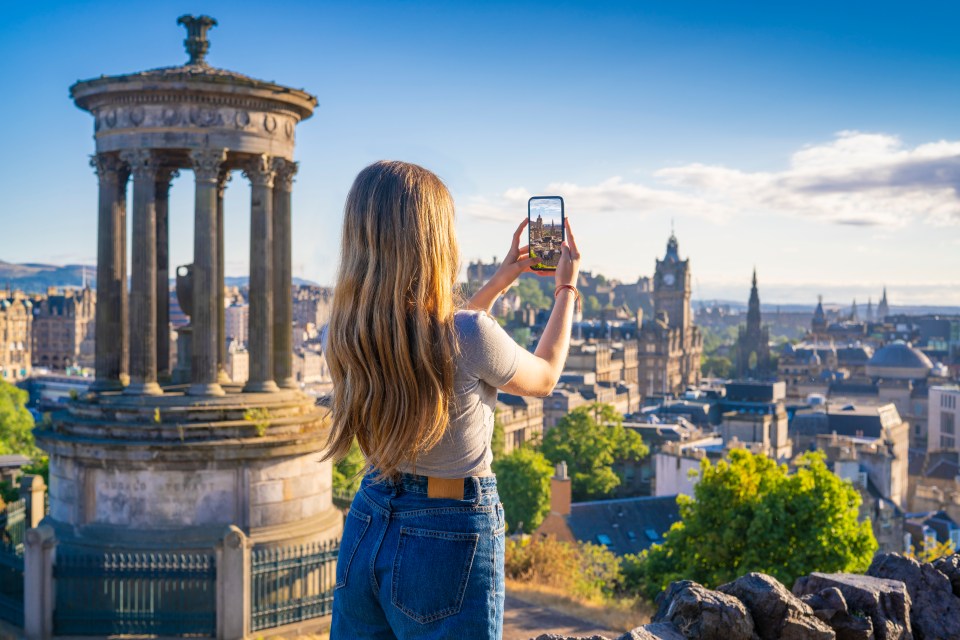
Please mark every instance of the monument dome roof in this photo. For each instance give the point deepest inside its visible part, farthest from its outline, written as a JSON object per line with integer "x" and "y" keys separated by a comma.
{"x": 899, "y": 359}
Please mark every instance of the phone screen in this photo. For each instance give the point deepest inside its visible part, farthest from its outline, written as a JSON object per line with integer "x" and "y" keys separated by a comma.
{"x": 546, "y": 231}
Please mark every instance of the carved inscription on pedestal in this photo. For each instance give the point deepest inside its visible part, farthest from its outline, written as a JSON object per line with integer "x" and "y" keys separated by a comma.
{"x": 148, "y": 499}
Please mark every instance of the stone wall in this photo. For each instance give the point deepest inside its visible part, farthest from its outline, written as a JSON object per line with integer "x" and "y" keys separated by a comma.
{"x": 898, "y": 599}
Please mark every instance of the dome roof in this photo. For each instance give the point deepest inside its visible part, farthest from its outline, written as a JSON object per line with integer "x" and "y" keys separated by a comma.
{"x": 899, "y": 360}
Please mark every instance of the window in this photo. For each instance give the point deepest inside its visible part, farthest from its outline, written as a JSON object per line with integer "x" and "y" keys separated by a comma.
{"x": 651, "y": 534}
{"x": 947, "y": 422}
{"x": 604, "y": 539}
{"x": 947, "y": 442}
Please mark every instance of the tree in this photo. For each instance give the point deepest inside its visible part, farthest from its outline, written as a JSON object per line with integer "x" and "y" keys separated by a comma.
{"x": 592, "y": 307}
{"x": 719, "y": 366}
{"x": 521, "y": 336}
{"x": 749, "y": 514}
{"x": 499, "y": 441}
{"x": 16, "y": 423}
{"x": 590, "y": 439}
{"x": 347, "y": 473}
{"x": 523, "y": 482}
{"x": 530, "y": 292}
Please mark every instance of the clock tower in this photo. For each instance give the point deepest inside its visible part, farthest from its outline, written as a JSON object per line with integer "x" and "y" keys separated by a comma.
{"x": 669, "y": 345}
{"x": 671, "y": 287}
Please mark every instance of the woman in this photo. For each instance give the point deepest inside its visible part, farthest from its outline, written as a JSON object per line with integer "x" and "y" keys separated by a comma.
{"x": 415, "y": 382}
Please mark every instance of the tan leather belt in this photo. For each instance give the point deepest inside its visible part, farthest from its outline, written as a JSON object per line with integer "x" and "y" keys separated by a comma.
{"x": 445, "y": 488}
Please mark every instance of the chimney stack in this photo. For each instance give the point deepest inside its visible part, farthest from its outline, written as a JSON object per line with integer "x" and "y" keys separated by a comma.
{"x": 560, "y": 492}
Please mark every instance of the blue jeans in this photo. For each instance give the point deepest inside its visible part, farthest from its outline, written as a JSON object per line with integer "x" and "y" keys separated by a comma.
{"x": 413, "y": 567}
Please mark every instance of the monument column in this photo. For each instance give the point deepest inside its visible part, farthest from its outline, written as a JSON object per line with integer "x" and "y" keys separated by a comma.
{"x": 261, "y": 174}
{"x": 111, "y": 261}
{"x": 206, "y": 274}
{"x": 144, "y": 165}
{"x": 164, "y": 176}
{"x": 283, "y": 274}
{"x": 221, "y": 312}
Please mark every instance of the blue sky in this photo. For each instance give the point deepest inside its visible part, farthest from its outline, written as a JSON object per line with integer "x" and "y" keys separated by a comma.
{"x": 818, "y": 142}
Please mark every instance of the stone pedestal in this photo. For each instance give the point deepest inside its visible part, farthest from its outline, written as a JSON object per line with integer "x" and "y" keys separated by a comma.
{"x": 190, "y": 465}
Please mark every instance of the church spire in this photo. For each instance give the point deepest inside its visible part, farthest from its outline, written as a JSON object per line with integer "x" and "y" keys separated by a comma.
{"x": 753, "y": 311}
{"x": 854, "y": 317}
{"x": 883, "y": 309}
{"x": 819, "y": 324}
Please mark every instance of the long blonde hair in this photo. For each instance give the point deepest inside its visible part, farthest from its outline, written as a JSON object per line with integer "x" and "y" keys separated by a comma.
{"x": 391, "y": 341}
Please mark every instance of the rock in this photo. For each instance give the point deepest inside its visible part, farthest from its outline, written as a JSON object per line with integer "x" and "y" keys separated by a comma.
{"x": 950, "y": 567}
{"x": 702, "y": 614}
{"x": 553, "y": 636}
{"x": 654, "y": 631}
{"x": 830, "y": 606}
{"x": 777, "y": 614}
{"x": 935, "y": 611}
{"x": 885, "y": 602}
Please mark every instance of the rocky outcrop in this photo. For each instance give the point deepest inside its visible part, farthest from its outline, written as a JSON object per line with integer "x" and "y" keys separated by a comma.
{"x": 950, "y": 567}
{"x": 935, "y": 612}
{"x": 655, "y": 631}
{"x": 777, "y": 614}
{"x": 898, "y": 599}
{"x": 830, "y": 606}
{"x": 885, "y": 602}
{"x": 704, "y": 614}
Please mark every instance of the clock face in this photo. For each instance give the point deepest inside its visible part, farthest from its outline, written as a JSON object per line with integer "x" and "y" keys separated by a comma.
{"x": 668, "y": 279}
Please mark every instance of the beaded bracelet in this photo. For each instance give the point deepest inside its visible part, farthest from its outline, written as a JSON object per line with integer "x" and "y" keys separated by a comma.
{"x": 561, "y": 287}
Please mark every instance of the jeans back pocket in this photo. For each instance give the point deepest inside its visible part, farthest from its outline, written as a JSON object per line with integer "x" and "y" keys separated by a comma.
{"x": 353, "y": 529}
{"x": 430, "y": 572}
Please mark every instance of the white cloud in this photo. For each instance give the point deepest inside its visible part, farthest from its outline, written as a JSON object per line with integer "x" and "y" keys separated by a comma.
{"x": 613, "y": 195}
{"x": 868, "y": 179}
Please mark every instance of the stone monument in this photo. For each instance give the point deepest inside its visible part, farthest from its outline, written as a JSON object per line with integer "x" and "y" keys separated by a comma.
{"x": 143, "y": 463}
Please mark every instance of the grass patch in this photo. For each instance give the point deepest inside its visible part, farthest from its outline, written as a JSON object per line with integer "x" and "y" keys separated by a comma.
{"x": 616, "y": 614}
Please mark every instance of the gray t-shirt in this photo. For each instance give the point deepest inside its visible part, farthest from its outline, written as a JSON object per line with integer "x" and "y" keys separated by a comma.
{"x": 487, "y": 360}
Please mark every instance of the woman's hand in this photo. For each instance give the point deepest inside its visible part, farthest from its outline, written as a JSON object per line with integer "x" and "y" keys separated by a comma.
{"x": 516, "y": 261}
{"x": 568, "y": 268}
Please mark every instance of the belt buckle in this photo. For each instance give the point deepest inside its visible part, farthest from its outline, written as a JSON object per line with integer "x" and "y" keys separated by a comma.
{"x": 445, "y": 488}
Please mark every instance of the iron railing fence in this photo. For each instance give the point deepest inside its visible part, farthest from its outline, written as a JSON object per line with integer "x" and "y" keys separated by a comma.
{"x": 291, "y": 584}
{"x": 343, "y": 498}
{"x": 166, "y": 594}
{"x": 13, "y": 528}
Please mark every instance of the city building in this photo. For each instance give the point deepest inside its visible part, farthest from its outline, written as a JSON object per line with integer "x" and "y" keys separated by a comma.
{"x": 238, "y": 362}
{"x": 64, "y": 329}
{"x": 237, "y": 321}
{"x": 522, "y": 420}
{"x": 942, "y": 410}
{"x": 622, "y": 525}
{"x": 669, "y": 345}
{"x": 677, "y": 464}
{"x": 16, "y": 342}
{"x": 875, "y": 423}
{"x": 311, "y": 305}
{"x": 879, "y": 475}
{"x": 752, "y": 357}
{"x": 310, "y": 367}
{"x": 754, "y": 414}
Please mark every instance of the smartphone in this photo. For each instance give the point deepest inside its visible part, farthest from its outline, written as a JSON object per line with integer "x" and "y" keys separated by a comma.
{"x": 546, "y": 230}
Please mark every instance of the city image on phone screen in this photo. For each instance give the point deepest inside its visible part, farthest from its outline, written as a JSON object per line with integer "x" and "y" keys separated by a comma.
{"x": 546, "y": 231}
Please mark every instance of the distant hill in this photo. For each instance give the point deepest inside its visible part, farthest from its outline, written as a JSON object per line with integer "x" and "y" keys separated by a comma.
{"x": 243, "y": 281}
{"x": 37, "y": 278}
